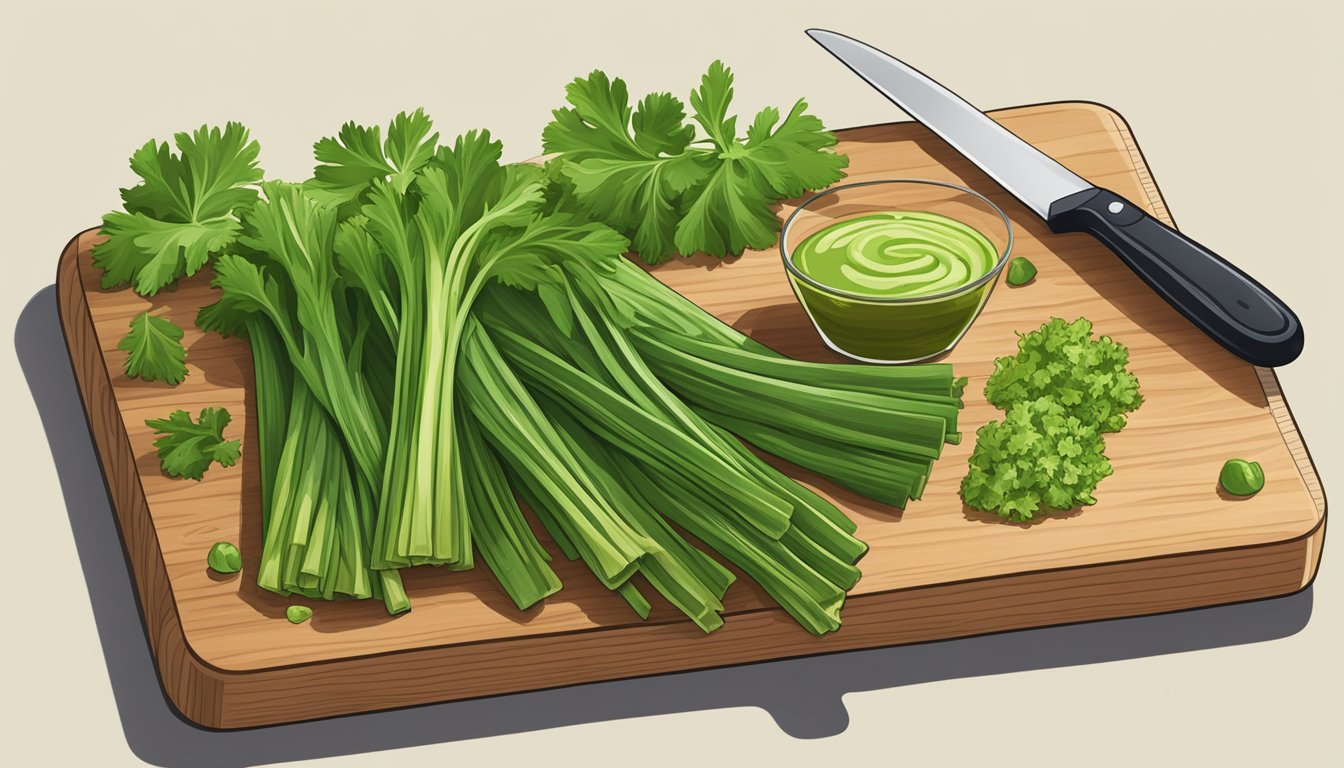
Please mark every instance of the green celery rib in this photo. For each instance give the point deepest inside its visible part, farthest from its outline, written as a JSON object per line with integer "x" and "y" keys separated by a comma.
{"x": 630, "y": 593}
{"x": 662, "y": 313}
{"x": 436, "y": 254}
{"x": 688, "y": 578}
{"x": 853, "y": 418}
{"x": 401, "y": 440}
{"x": 622, "y": 423}
{"x": 883, "y": 477}
{"x": 272, "y": 376}
{"x": 655, "y": 304}
{"x": 930, "y": 382}
{"x": 821, "y": 528}
{"x": 515, "y": 425}
{"x": 315, "y": 542}
{"x": 815, "y": 517}
{"x": 534, "y": 502}
{"x": 501, "y": 533}
{"x": 667, "y": 315}
{"x": 811, "y": 600}
{"x": 292, "y": 557}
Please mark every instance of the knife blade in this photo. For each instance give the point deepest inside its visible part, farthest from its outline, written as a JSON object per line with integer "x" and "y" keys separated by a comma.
{"x": 1231, "y": 307}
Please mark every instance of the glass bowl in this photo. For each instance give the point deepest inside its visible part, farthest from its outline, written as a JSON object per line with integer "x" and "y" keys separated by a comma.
{"x": 895, "y": 329}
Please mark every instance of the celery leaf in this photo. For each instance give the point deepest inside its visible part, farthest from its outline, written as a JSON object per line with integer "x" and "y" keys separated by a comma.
{"x": 154, "y": 350}
{"x": 187, "y": 448}
{"x": 184, "y": 210}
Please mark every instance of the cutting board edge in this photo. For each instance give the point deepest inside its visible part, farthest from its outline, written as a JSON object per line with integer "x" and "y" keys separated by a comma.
{"x": 187, "y": 680}
{"x": 1268, "y": 378}
{"x": 200, "y": 691}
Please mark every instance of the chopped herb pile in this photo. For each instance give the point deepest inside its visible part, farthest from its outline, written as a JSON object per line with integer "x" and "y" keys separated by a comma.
{"x": 1061, "y": 392}
{"x": 1063, "y": 362}
{"x": 1037, "y": 456}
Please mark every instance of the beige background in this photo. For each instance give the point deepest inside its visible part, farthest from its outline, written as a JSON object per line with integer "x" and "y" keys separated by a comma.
{"x": 1237, "y": 106}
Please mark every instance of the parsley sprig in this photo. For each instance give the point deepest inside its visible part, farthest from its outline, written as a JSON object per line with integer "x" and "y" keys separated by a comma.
{"x": 184, "y": 210}
{"x": 154, "y": 350}
{"x": 643, "y": 173}
{"x": 187, "y": 448}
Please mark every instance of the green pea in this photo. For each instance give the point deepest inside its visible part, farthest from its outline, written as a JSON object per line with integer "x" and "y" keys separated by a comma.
{"x": 297, "y": 614}
{"x": 224, "y": 557}
{"x": 1020, "y": 271}
{"x": 1242, "y": 478}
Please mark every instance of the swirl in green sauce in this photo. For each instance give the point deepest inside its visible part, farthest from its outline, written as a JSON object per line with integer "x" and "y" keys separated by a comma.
{"x": 896, "y": 254}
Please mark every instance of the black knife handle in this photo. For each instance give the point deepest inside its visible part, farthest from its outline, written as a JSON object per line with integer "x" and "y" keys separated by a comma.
{"x": 1221, "y": 300}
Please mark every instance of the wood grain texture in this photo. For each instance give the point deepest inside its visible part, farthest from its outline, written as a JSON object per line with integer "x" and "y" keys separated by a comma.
{"x": 1161, "y": 537}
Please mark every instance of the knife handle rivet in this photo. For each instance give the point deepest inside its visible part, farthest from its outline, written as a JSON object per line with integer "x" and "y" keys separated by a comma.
{"x": 1116, "y": 207}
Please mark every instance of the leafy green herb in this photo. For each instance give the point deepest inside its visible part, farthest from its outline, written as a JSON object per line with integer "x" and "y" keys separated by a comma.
{"x": 350, "y": 162}
{"x": 1021, "y": 271}
{"x": 185, "y": 208}
{"x": 224, "y": 557}
{"x": 640, "y": 172}
{"x": 154, "y": 350}
{"x": 1062, "y": 361}
{"x": 187, "y": 448}
{"x": 1039, "y": 455}
{"x": 626, "y": 170}
{"x": 1242, "y": 478}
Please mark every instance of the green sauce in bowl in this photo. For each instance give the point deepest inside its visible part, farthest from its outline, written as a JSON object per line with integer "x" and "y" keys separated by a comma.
{"x": 895, "y": 284}
{"x": 896, "y": 254}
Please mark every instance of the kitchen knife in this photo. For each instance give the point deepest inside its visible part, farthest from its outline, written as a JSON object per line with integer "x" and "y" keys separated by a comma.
{"x": 1221, "y": 300}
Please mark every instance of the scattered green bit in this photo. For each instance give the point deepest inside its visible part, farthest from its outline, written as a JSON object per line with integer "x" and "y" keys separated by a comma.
{"x": 1242, "y": 478}
{"x": 155, "y": 351}
{"x": 186, "y": 448}
{"x": 184, "y": 210}
{"x": 1020, "y": 271}
{"x": 1038, "y": 455}
{"x": 297, "y": 614}
{"x": 224, "y": 557}
{"x": 642, "y": 174}
{"x": 1062, "y": 361}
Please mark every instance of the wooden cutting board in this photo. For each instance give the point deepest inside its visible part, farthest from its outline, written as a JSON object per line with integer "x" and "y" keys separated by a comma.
{"x": 1161, "y": 537}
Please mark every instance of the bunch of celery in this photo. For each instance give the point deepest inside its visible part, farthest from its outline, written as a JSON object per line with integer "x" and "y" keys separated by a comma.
{"x": 438, "y": 336}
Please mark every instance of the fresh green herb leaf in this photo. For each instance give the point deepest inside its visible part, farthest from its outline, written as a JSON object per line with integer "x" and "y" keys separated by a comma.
{"x": 731, "y": 211}
{"x": 1062, "y": 361}
{"x": 626, "y": 170}
{"x": 187, "y": 448}
{"x": 154, "y": 350}
{"x": 640, "y": 172}
{"x": 350, "y": 162}
{"x": 1039, "y": 455}
{"x": 184, "y": 210}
